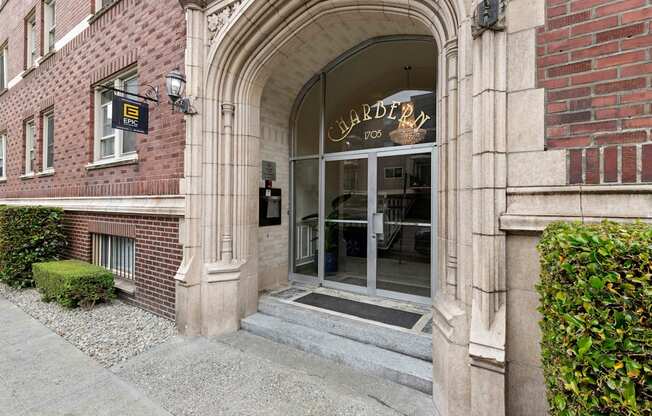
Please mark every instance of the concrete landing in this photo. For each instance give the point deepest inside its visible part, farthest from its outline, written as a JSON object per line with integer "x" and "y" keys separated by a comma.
{"x": 42, "y": 374}
{"x": 408, "y": 342}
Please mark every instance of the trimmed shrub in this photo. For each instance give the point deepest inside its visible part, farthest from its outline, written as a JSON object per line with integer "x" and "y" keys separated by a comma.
{"x": 73, "y": 283}
{"x": 28, "y": 235}
{"x": 596, "y": 299}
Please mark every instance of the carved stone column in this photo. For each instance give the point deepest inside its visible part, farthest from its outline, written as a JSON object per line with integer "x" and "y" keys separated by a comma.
{"x": 487, "y": 335}
{"x": 451, "y": 81}
{"x": 451, "y": 392}
{"x": 208, "y": 281}
{"x": 188, "y": 277}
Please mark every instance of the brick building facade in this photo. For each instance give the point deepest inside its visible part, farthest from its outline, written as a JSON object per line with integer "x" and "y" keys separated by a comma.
{"x": 542, "y": 115}
{"x": 95, "y": 42}
{"x": 593, "y": 59}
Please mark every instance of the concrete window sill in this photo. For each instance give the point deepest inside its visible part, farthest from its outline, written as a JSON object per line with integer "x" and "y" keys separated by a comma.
{"x": 28, "y": 71}
{"x": 47, "y": 56}
{"x": 126, "y": 286}
{"x": 109, "y": 163}
{"x": 45, "y": 173}
{"x": 27, "y": 176}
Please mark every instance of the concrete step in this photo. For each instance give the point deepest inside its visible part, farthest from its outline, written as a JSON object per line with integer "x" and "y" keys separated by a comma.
{"x": 399, "y": 368}
{"x": 385, "y": 337}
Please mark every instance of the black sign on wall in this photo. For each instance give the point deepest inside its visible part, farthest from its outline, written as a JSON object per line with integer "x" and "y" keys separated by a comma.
{"x": 130, "y": 115}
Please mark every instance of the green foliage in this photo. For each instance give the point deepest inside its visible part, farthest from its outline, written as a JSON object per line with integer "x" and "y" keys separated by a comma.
{"x": 28, "y": 235}
{"x": 596, "y": 299}
{"x": 73, "y": 283}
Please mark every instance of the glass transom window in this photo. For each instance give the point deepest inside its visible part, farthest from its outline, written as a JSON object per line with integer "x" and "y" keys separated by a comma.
{"x": 382, "y": 96}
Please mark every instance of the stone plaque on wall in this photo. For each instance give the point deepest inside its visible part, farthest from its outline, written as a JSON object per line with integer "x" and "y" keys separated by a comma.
{"x": 269, "y": 170}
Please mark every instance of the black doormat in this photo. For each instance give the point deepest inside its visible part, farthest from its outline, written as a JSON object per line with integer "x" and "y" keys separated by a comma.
{"x": 376, "y": 313}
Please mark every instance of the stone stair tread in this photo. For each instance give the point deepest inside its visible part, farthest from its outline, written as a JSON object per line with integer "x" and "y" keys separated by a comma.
{"x": 400, "y": 368}
{"x": 383, "y": 336}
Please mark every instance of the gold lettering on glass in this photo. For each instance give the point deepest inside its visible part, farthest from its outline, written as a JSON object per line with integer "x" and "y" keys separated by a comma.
{"x": 393, "y": 108}
{"x": 366, "y": 112}
{"x": 409, "y": 130}
{"x": 380, "y": 105}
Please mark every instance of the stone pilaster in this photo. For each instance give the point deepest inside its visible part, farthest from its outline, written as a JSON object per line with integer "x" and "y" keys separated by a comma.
{"x": 487, "y": 334}
{"x": 188, "y": 277}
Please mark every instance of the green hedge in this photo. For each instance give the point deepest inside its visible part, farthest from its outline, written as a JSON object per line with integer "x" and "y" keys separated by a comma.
{"x": 596, "y": 302}
{"x": 73, "y": 283}
{"x": 28, "y": 235}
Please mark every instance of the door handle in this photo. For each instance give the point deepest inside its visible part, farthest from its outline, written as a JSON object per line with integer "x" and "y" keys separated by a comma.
{"x": 378, "y": 223}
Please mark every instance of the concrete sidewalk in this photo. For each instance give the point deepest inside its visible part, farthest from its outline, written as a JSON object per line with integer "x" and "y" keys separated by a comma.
{"x": 245, "y": 375}
{"x": 41, "y": 374}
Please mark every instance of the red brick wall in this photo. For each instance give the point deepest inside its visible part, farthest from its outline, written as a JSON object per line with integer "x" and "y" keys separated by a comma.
{"x": 12, "y": 30}
{"x": 158, "y": 255}
{"x": 595, "y": 61}
{"x": 146, "y": 34}
{"x": 70, "y": 13}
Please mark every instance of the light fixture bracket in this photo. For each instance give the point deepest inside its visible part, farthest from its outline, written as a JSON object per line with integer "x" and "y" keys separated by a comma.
{"x": 489, "y": 15}
{"x": 151, "y": 93}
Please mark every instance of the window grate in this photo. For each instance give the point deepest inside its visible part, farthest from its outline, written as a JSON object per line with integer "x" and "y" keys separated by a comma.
{"x": 115, "y": 253}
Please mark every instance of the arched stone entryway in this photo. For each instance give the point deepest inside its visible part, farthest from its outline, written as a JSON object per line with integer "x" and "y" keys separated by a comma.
{"x": 246, "y": 63}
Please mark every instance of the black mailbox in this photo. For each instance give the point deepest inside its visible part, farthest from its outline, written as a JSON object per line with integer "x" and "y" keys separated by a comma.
{"x": 269, "y": 207}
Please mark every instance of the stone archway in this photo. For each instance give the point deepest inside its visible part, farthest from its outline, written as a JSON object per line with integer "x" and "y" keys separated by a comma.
{"x": 237, "y": 53}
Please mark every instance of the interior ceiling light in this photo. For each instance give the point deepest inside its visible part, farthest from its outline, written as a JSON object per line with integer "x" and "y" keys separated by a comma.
{"x": 407, "y": 133}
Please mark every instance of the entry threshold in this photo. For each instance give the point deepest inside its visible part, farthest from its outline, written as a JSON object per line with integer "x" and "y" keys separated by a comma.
{"x": 362, "y": 310}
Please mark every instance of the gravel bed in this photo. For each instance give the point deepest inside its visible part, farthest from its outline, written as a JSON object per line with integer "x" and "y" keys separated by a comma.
{"x": 110, "y": 333}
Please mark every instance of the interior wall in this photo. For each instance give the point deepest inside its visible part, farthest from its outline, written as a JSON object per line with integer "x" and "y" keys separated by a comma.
{"x": 274, "y": 241}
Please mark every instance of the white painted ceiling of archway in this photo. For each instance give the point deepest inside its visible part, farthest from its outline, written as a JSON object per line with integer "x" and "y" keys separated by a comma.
{"x": 311, "y": 49}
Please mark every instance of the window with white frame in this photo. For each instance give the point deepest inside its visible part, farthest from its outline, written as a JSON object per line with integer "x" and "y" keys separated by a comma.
{"x": 48, "y": 142}
{"x": 115, "y": 253}
{"x": 3, "y": 152}
{"x": 30, "y": 46}
{"x": 30, "y": 147}
{"x": 3, "y": 66}
{"x": 49, "y": 25}
{"x": 112, "y": 143}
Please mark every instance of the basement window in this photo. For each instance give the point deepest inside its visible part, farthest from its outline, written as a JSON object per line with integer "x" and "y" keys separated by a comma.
{"x": 115, "y": 253}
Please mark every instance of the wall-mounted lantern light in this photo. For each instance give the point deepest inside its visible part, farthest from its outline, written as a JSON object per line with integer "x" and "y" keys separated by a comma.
{"x": 175, "y": 84}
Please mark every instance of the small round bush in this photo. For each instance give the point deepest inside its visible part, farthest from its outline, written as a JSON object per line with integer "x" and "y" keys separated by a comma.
{"x": 596, "y": 299}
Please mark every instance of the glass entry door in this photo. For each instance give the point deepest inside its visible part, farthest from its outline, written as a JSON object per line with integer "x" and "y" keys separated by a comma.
{"x": 403, "y": 226}
{"x": 346, "y": 223}
{"x": 377, "y": 228}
